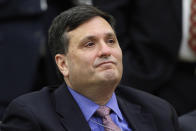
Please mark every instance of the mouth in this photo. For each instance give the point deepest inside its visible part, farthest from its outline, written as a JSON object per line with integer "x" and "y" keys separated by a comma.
{"x": 105, "y": 63}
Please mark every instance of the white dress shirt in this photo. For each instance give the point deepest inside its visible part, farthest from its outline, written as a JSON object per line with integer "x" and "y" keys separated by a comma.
{"x": 186, "y": 54}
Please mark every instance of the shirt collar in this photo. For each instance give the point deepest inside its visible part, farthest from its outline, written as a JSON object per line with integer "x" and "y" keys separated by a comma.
{"x": 112, "y": 104}
{"x": 88, "y": 107}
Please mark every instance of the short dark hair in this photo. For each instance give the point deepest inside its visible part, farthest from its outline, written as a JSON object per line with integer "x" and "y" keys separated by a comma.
{"x": 68, "y": 21}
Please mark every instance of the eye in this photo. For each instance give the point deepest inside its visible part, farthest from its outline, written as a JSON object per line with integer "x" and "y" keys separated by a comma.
{"x": 89, "y": 44}
{"x": 111, "y": 41}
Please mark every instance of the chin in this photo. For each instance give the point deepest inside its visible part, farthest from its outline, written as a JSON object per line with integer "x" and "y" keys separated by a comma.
{"x": 110, "y": 76}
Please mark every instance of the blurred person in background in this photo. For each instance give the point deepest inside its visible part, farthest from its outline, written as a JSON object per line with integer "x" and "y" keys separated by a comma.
{"x": 23, "y": 51}
{"x": 158, "y": 58}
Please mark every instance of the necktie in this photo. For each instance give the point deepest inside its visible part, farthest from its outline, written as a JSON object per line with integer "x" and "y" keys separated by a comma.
{"x": 192, "y": 30}
{"x": 104, "y": 113}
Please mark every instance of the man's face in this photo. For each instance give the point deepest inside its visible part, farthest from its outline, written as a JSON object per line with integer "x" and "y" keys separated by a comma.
{"x": 94, "y": 56}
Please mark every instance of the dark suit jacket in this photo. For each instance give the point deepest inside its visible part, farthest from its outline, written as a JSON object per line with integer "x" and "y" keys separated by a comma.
{"x": 54, "y": 109}
{"x": 187, "y": 121}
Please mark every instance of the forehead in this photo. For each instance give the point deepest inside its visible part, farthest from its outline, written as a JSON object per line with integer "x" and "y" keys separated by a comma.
{"x": 96, "y": 26}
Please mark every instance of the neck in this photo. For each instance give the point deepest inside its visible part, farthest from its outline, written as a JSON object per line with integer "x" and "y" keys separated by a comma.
{"x": 100, "y": 93}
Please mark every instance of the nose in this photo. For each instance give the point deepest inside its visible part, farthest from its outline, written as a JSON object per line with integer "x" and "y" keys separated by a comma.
{"x": 104, "y": 50}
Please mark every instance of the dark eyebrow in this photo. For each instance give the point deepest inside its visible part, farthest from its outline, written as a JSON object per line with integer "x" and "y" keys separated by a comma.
{"x": 92, "y": 37}
{"x": 111, "y": 34}
{"x": 88, "y": 38}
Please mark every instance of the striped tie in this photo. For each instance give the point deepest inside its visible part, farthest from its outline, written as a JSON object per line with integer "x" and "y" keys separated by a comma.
{"x": 104, "y": 113}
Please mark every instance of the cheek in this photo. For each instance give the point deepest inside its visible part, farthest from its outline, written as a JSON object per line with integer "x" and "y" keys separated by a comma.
{"x": 118, "y": 54}
{"x": 82, "y": 61}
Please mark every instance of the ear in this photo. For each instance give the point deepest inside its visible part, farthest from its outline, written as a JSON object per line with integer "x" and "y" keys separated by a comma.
{"x": 61, "y": 61}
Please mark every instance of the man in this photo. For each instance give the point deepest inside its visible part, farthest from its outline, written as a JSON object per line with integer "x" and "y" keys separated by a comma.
{"x": 154, "y": 38}
{"x": 87, "y": 53}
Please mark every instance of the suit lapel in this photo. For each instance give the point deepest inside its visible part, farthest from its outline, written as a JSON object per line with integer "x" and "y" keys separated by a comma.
{"x": 72, "y": 118}
{"x": 138, "y": 120}
{"x": 68, "y": 111}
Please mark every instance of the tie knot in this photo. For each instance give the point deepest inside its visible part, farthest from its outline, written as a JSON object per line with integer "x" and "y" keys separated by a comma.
{"x": 103, "y": 111}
